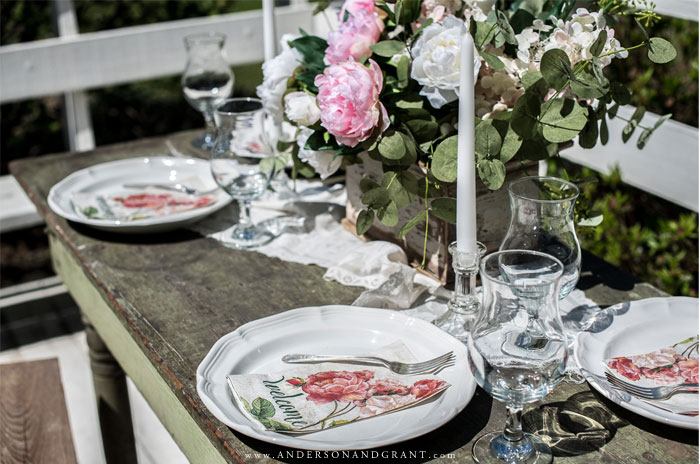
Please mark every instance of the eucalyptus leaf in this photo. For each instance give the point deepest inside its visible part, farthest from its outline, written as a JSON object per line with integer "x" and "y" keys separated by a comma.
{"x": 364, "y": 221}
{"x": 599, "y": 43}
{"x": 535, "y": 83}
{"x": 388, "y": 48}
{"x": 422, "y": 216}
{"x": 661, "y": 50}
{"x": 394, "y": 183}
{"x": 563, "y": 120}
{"x": 643, "y": 138}
{"x": 588, "y": 87}
{"x": 492, "y": 173}
{"x": 422, "y": 130}
{"x": 376, "y": 199}
{"x": 505, "y": 28}
{"x": 403, "y": 71}
{"x": 368, "y": 184}
{"x": 594, "y": 219}
{"x": 598, "y": 72}
{"x": 389, "y": 215}
{"x": 492, "y": 60}
{"x": 520, "y": 20}
{"x": 633, "y": 123}
{"x": 589, "y": 135}
{"x": 620, "y": 94}
{"x": 444, "y": 165}
{"x": 525, "y": 114}
{"x": 604, "y": 133}
{"x": 511, "y": 145}
{"x": 392, "y": 146}
{"x": 445, "y": 208}
{"x": 612, "y": 111}
{"x": 661, "y": 120}
{"x": 553, "y": 68}
{"x": 487, "y": 140}
{"x": 484, "y": 33}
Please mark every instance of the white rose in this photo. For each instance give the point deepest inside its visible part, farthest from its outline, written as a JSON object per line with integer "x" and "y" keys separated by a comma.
{"x": 436, "y": 62}
{"x": 276, "y": 72}
{"x": 301, "y": 108}
{"x": 324, "y": 162}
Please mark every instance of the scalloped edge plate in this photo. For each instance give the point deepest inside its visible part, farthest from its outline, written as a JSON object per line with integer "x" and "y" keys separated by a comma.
{"x": 110, "y": 176}
{"x": 647, "y": 325}
{"x": 258, "y": 346}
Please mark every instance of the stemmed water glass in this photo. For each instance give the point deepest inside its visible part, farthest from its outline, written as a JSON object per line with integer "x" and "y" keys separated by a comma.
{"x": 207, "y": 80}
{"x": 517, "y": 347}
{"x": 236, "y": 164}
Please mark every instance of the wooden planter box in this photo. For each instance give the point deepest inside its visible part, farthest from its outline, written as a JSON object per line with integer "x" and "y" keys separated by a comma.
{"x": 493, "y": 216}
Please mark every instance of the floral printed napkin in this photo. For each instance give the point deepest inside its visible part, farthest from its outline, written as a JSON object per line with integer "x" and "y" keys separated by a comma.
{"x": 314, "y": 397}
{"x": 137, "y": 204}
{"x": 670, "y": 365}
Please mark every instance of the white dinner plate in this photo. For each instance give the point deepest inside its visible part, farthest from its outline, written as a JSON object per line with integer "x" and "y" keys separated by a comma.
{"x": 258, "y": 346}
{"x": 647, "y": 325}
{"x": 108, "y": 178}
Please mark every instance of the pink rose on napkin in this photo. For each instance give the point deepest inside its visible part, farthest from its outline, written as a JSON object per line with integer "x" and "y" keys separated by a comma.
{"x": 342, "y": 386}
{"x": 354, "y": 37}
{"x": 387, "y": 387}
{"x": 426, "y": 387}
{"x": 380, "y": 404}
{"x": 348, "y": 96}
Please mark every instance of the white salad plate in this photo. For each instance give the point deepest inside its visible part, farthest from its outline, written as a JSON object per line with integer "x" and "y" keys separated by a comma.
{"x": 646, "y": 326}
{"x": 109, "y": 178}
{"x": 258, "y": 346}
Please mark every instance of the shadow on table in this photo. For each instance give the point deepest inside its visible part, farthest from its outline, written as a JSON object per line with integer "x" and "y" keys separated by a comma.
{"x": 595, "y": 271}
{"x": 676, "y": 434}
{"x": 456, "y": 434}
{"x": 574, "y": 427}
{"x": 173, "y": 236}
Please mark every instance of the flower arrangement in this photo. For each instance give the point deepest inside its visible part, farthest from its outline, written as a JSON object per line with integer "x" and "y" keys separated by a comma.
{"x": 386, "y": 82}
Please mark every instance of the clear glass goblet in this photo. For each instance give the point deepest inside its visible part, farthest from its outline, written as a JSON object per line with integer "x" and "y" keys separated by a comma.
{"x": 207, "y": 80}
{"x": 236, "y": 164}
{"x": 517, "y": 347}
{"x": 542, "y": 219}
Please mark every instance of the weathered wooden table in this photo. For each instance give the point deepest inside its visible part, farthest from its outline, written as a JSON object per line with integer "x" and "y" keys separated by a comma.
{"x": 154, "y": 306}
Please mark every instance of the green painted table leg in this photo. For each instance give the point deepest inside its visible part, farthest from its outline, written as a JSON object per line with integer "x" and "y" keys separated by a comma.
{"x": 112, "y": 401}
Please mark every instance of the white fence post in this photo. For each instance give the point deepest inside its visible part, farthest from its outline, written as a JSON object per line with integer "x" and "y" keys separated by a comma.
{"x": 76, "y": 104}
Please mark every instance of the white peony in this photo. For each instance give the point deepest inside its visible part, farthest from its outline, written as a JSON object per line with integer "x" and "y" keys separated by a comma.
{"x": 436, "y": 62}
{"x": 276, "y": 72}
{"x": 301, "y": 108}
{"x": 324, "y": 162}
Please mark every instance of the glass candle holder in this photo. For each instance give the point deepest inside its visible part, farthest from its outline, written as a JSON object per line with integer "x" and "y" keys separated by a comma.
{"x": 464, "y": 303}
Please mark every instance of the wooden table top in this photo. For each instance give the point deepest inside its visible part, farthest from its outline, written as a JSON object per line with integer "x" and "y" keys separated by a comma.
{"x": 161, "y": 301}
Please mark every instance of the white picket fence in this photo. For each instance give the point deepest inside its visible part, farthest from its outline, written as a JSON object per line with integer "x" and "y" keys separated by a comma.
{"x": 73, "y": 63}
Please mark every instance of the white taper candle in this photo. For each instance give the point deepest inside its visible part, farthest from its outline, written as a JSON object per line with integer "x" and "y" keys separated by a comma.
{"x": 466, "y": 170}
{"x": 269, "y": 33}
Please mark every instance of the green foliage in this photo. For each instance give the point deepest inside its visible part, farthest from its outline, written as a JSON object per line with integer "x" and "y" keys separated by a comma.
{"x": 651, "y": 239}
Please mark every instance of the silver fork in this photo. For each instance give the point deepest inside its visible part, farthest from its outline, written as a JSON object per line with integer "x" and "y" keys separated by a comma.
{"x": 432, "y": 366}
{"x": 651, "y": 393}
{"x": 173, "y": 188}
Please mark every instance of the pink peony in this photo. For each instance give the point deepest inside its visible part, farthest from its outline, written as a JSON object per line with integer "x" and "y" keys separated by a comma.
{"x": 355, "y": 6}
{"x": 348, "y": 96}
{"x": 342, "y": 386}
{"x": 354, "y": 37}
